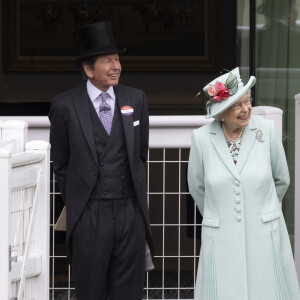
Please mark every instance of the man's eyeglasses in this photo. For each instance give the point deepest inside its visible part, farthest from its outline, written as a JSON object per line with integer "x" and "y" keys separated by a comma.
{"x": 247, "y": 102}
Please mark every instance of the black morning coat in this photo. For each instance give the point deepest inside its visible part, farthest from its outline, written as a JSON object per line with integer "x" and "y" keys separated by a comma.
{"x": 73, "y": 150}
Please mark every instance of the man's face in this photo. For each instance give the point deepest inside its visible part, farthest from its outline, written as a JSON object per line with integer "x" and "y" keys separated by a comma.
{"x": 105, "y": 72}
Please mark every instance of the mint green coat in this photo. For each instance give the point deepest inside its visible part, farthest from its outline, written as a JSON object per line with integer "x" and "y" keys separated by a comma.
{"x": 245, "y": 252}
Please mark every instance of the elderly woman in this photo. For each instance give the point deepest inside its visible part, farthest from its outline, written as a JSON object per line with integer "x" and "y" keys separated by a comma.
{"x": 238, "y": 176}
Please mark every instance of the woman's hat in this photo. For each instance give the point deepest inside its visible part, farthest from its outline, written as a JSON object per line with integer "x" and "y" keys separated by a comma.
{"x": 95, "y": 39}
{"x": 224, "y": 91}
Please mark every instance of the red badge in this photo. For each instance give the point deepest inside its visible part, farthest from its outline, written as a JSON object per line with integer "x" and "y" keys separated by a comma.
{"x": 127, "y": 110}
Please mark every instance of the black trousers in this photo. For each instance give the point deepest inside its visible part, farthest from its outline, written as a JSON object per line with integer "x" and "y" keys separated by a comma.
{"x": 108, "y": 245}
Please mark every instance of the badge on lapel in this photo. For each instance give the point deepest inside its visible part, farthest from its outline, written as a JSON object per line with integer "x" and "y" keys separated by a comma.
{"x": 127, "y": 110}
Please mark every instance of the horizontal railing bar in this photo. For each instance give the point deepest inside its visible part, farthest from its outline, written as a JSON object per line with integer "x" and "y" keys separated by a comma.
{"x": 61, "y": 288}
{"x": 24, "y": 177}
{"x": 155, "y": 121}
{"x": 33, "y": 266}
{"x": 160, "y": 161}
{"x": 155, "y": 256}
{"x": 149, "y": 193}
{"x": 169, "y": 288}
{"x": 166, "y": 224}
{"x": 26, "y": 159}
{"x": 167, "y": 161}
{"x": 161, "y": 225}
{"x": 146, "y": 288}
{"x": 168, "y": 193}
{"x": 176, "y": 256}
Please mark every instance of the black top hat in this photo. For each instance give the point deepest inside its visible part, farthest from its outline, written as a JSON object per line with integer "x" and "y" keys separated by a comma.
{"x": 95, "y": 39}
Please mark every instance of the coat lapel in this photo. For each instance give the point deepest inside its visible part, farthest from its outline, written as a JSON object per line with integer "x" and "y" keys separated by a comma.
{"x": 127, "y": 120}
{"x": 248, "y": 139}
{"x": 219, "y": 142}
{"x": 80, "y": 100}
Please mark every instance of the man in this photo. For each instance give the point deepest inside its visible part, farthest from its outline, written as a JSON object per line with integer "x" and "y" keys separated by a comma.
{"x": 99, "y": 139}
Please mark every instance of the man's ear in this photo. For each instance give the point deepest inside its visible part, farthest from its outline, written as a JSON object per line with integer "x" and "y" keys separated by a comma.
{"x": 88, "y": 70}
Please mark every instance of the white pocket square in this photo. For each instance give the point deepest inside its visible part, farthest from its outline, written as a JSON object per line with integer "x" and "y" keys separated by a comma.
{"x": 136, "y": 123}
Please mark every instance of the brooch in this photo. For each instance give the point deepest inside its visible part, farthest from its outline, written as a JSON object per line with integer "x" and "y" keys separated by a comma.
{"x": 259, "y": 135}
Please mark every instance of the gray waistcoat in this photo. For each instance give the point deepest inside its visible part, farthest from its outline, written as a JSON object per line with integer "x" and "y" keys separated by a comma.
{"x": 114, "y": 179}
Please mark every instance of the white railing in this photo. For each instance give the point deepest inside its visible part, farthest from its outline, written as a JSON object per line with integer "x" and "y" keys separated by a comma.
{"x": 297, "y": 184}
{"x": 166, "y": 133}
{"x": 24, "y": 214}
{"x": 172, "y": 130}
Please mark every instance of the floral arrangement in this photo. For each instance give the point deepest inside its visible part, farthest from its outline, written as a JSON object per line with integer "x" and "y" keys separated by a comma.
{"x": 221, "y": 91}
{"x": 218, "y": 92}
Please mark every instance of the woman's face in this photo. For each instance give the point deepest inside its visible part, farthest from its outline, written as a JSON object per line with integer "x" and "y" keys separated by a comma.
{"x": 238, "y": 115}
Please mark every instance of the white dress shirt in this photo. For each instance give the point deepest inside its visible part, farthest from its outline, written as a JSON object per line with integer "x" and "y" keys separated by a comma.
{"x": 94, "y": 93}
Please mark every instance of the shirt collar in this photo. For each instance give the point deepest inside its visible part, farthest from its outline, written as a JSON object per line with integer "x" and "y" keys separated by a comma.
{"x": 94, "y": 92}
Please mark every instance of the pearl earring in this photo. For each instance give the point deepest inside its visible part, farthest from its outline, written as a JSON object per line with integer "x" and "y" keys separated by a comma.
{"x": 222, "y": 120}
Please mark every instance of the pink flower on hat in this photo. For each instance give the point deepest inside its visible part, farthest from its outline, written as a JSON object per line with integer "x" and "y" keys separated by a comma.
{"x": 212, "y": 91}
{"x": 218, "y": 91}
{"x": 220, "y": 86}
{"x": 224, "y": 94}
{"x": 217, "y": 99}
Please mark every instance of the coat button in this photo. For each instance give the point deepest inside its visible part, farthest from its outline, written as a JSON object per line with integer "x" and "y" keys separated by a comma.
{"x": 104, "y": 193}
{"x": 238, "y": 218}
{"x": 237, "y": 200}
{"x": 238, "y": 209}
{"x": 123, "y": 177}
{"x": 236, "y": 183}
{"x": 236, "y": 191}
{"x": 101, "y": 164}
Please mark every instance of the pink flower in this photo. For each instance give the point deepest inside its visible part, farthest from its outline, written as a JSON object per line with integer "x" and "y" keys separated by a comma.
{"x": 220, "y": 86}
{"x": 212, "y": 91}
{"x": 224, "y": 94}
{"x": 217, "y": 99}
